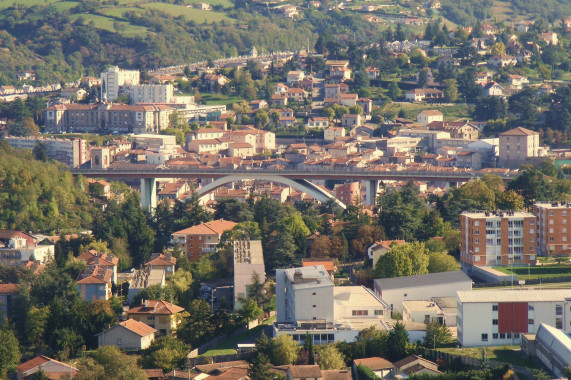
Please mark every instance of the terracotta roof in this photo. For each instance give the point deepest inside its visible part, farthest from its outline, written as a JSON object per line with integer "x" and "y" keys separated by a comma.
{"x": 206, "y": 368}
{"x": 154, "y": 373}
{"x": 411, "y": 359}
{"x": 326, "y": 262}
{"x": 305, "y": 371}
{"x": 336, "y": 374}
{"x": 160, "y": 259}
{"x": 432, "y": 113}
{"x": 236, "y": 373}
{"x": 519, "y": 131}
{"x": 137, "y": 327}
{"x": 374, "y": 363}
{"x": 38, "y": 361}
{"x": 10, "y": 234}
{"x": 156, "y": 307}
{"x": 95, "y": 275}
{"x": 216, "y": 227}
{"x": 177, "y": 374}
{"x": 8, "y": 288}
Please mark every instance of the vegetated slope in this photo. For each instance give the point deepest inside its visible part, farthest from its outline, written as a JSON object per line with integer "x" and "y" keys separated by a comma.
{"x": 62, "y": 40}
{"x": 40, "y": 196}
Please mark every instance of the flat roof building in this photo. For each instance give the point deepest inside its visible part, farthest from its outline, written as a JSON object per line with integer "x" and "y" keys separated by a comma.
{"x": 553, "y": 233}
{"x": 248, "y": 259}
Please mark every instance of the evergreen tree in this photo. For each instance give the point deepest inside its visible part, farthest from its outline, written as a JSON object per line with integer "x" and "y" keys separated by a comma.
{"x": 398, "y": 341}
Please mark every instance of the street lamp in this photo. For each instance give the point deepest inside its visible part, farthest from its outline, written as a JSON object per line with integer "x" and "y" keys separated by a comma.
{"x": 212, "y": 299}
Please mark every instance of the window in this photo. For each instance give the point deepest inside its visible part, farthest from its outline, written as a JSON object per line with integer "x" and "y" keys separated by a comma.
{"x": 313, "y": 293}
{"x": 484, "y": 337}
{"x": 314, "y": 305}
{"x": 531, "y": 231}
{"x": 530, "y": 308}
{"x": 378, "y": 312}
{"x": 558, "y": 310}
{"x": 531, "y": 222}
{"x": 477, "y": 249}
{"x": 559, "y": 323}
{"x": 550, "y": 213}
{"x": 151, "y": 318}
{"x": 477, "y": 232}
{"x": 530, "y": 322}
{"x": 495, "y": 336}
{"x": 494, "y": 307}
{"x": 564, "y": 213}
{"x": 494, "y": 322}
{"x": 163, "y": 331}
{"x": 551, "y": 221}
{"x": 477, "y": 241}
{"x": 119, "y": 341}
{"x": 502, "y": 336}
{"x": 516, "y": 335}
{"x": 509, "y": 335}
{"x": 476, "y": 223}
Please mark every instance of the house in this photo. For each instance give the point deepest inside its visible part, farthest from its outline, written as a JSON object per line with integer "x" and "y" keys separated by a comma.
{"x": 304, "y": 372}
{"x": 128, "y": 335}
{"x": 550, "y": 38}
{"x": 280, "y": 89}
{"x": 394, "y": 291}
{"x": 428, "y": 116}
{"x": 93, "y": 258}
{"x": 173, "y": 190}
{"x": 94, "y": 283}
{"x": 366, "y": 105}
{"x": 27, "y": 75}
{"x": 348, "y": 100}
{"x": 422, "y": 94}
{"x": 517, "y": 81}
{"x": 332, "y": 133}
{"x": 350, "y": 120}
{"x": 469, "y": 159}
{"x": 518, "y": 146}
{"x": 416, "y": 365}
{"x": 373, "y": 73}
{"x": 17, "y": 248}
{"x": 300, "y": 148}
{"x": 457, "y": 129}
{"x": 51, "y": 368}
{"x": 317, "y": 122}
{"x": 143, "y": 278}
{"x": 74, "y": 92}
{"x": 242, "y": 150}
{"x": 214, "y": 81}
{"x": 279, "y": 100}
{"x": 295, "y": 76}
{"x": 258, "y": 104}
{"x": 100, "y": 187}
{"x": 524, "y": 25}
{"x": 380, "y": 366}
{"x": 161, "y": 261}
{"x": 286, "y": 121}
{"x": 380, "y": 248}
{"x": 296, "y": 94}
{"x": 7, "y": 90}
{"x": 201, "y": 239}
{"x": 502, "y": 60}
{"x": 7, "y": 291}
{"x": 158, "y": 314}
{"x": 340, "y": 74}
{"x": 331, "y": 91}
{"x": 492, "y": 89}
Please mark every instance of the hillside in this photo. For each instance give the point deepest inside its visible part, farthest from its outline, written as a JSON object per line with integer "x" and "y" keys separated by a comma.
{"x": 61, "y": 40}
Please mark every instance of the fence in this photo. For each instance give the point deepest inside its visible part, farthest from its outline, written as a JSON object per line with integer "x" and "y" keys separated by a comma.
{"x": 466, "y": 360}
{"x": 535, "y": 281}
{"x": 191, "y": 362}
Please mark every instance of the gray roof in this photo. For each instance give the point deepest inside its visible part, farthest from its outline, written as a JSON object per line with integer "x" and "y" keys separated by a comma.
{"x": 422, "y": 280}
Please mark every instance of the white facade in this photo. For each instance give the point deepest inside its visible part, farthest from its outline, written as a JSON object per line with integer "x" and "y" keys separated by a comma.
{"x": 72, "y": 152}
{"x": 394, "y": 291}
{"x": 155, "y": 143}
{"x": 152, "y": 93}
{"x": 428, "y": 116}
{"x": 248, "y": 259}
{"x": 498, "y": 317}
{"x": 114, "y": 78}
{"x": 553, "y": 348}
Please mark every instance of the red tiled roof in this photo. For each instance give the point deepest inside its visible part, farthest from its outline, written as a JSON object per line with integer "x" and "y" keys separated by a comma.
{"x": 8, "y": 288}
{"x": 327, "y": 263}
{"x": 160, "y": 259}
{"x": 137, "y": 327}
{"x": 156, "y": 307}
{"x": 96, "y": 275}
{"x": 374, "y": 363}
{"x": 154, "y": 373}
{"x": 216, "y": 227}
{"x": 519, "y": 131}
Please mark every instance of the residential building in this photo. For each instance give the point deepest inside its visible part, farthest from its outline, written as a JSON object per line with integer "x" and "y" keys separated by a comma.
{"x": 332, "y": 133}
{"x": 550, "y": 345}
{"x": 423, "y": 94}
{"x": 17, "y": 248}
{"x": 51, "y": 368}
{"x": 351, "y": 120}
{"x": 426, "y": 138}
{"x": 163, "y": 262}
{"x": 27, "y": 75}
{"x": 114, "y": 78}
{"x": 242, "y": 150}
{"x": 74, "y": 92}
{"x": 428, "y": 116}
{"x": 143, "y": 278}
{"x": 336, "y": 313}
{"x": 501, "y": 60}
{"x": 72, "y": 152}
{"x": 469, "y": 160}
{"x": 7, "y": 291}
{"x": 152, "y": 93}
{"x": 394, "y": 291}
{"x": 201, "y": 239}
{"x": 295, "y": 76}
{"x": 381, "y": 248}
{"x": 317, "y": 122}
{"x": 457, "y": 129}
{"x": 492, "y": 89}
{"x": 248, "y": 262}
{"x": 348, "y": 193}
{"x": 380, "y": 366}
{"x": 93, "y": 258}
{"x": 160, "y": 315}
{"x": 518, "y": 146}
{"x": 348, "y": 100}
{"x": 207, "y": 146}
{"x": 304, "y": 372}
{"x": 497, "y": 238}
{"x": 128, "y": 335}
{"x": 155, "y": 143}
{"x": 499, "y": 317}
{"x": 553, "y": 233}
{"x": 415, "y": 365}
{"x": 94, "y": 283}
{"x": 550, "y": 38}
{"x": 296, "y": 94}
{"x": 366, "y": 105}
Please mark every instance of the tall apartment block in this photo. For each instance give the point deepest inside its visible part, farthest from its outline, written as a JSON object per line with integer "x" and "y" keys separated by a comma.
{"x": 497, "y": 238}
{"x": 552, "y": 228}
{"x": 113, "y": 78}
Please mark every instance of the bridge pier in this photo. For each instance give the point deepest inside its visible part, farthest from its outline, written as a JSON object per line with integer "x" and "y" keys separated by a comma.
{"x": 371, "y": 194}
{"x": 148, "y": 194}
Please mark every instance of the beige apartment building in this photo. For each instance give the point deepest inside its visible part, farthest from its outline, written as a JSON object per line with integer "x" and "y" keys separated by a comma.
{"x": 201, "y": 239}
{"x": 497, "y": 238}
{"x": 552, "y": 228}
{"x": 518, "y": 146}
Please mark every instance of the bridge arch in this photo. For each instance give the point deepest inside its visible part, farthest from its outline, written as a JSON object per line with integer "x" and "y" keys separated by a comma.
{"x": 302, "y": 185}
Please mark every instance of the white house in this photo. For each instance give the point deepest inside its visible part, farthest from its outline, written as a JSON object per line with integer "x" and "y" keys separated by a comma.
{"x": 128, "y": 335}
{"x": 428, "y": 116}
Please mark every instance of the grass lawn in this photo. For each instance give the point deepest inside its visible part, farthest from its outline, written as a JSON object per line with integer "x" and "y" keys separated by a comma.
{"x": 107, "y": 23}
{"x": 218, "y": 99}
{"x": 507, "y": 354}
{"x": 26, "y": 3}
{"x": 118, "y": 12}
{"x": 191, "y": 14}
{"x": 451, "y": 113}
{"x": 64, "y": 5}
{"x": 224, "y": 3}
{"x": 229, "y": 347}
{"x": 544, "y": 271}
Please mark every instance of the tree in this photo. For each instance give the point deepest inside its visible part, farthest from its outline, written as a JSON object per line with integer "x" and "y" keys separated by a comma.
{"x": 260, "y": 368}
{"x": 109, "y": 363}
{"x": 531, "y": 185}
{"x": 249, "y": 310}
{"x": 9, "y": 350}
{"x": 442, "y": 262}
{"x": 256, "y": 292}
{"x": 366, "y": 235}
{"x": 498, "y": 48}
{"x": 329, "y": 357}
{"x": 451, "y": 90}
{"x": 40, "y": 152}
{"x": 35, "y": 324}
{"x": 356, "y": 109}
{"x": 284, "y": 350}
{"x": 422, "y": 78}
{"x": 398, "y": 341}
{"x": 394, "y": 91}
{"x": 436, "y": 335}
{"x": 403, "y": 260}
{"x": 166, "y": 353}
